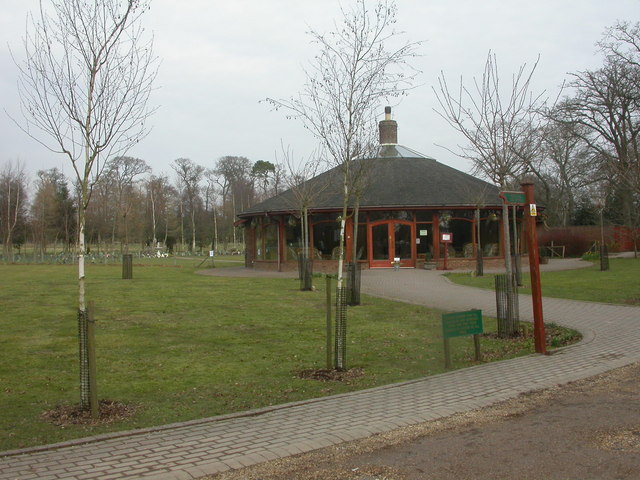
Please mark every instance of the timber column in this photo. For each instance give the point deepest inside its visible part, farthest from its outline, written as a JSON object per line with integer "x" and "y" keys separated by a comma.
{"x": 534, "y": 267}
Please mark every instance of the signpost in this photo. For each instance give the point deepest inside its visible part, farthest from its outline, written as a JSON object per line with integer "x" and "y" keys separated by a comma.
{"x": 446, "y": 238}
{"x": 513, "y": 198}
{"x": 461, "y": 324}
{"x": 534, "y": 269}
{"x": 527, "y": 199}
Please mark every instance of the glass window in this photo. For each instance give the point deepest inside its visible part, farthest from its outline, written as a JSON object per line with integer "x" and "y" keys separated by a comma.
{"x": 490, "y": 234}
{"x": 424, "y": 235}
{"x": 424, "y": 215}
{"x": 361, "y": 251}
{"x": 323, "y": 217}
{"x": 462, "y": 237}
{"x": 380, "y": 237}
{"x": 391, "y": 215}
{"x": 402, "y": 239}
{"x": 270, "y": 234}
{"x": 259, "y": 243}
{"x": 326, "y": 238}
{"x": 293, "y": 239}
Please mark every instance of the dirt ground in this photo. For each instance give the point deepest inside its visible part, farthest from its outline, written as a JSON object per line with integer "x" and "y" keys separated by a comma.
{"x": 585, "y": 430}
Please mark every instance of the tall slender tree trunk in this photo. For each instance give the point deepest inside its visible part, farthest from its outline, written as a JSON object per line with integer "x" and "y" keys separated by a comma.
{"x": 193, "y": 230}
{"x": 153, "y": 219}
{"x": 215, "y": 230}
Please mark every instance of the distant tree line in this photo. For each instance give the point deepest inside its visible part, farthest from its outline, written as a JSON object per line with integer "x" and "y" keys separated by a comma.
{"x": 189, "y": 210}
{"x": 582, "y": 152}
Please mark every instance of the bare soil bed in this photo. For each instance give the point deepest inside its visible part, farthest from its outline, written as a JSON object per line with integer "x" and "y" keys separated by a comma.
{"x": 584, "y": 430}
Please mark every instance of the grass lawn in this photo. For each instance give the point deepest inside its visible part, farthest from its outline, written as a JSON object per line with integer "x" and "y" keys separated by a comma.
{"x": 619, "y": 284}
{"x": 180, "y": 346}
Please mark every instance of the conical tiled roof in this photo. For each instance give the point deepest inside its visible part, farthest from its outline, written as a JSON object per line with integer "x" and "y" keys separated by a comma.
{"x": 398, "y": 177}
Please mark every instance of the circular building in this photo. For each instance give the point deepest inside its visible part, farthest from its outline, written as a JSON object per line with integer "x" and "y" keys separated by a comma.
{"x": 411, "y": 209}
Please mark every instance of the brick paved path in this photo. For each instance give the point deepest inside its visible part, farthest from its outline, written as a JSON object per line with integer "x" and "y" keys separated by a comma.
{"x": 194, "y": 449}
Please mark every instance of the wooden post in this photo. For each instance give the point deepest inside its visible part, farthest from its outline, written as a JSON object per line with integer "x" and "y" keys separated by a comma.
{"x": 329, "y": 340}
{"x": 127, "y": 266}
{"x": 447, "y": 353}
{"x": 534, "y": 269}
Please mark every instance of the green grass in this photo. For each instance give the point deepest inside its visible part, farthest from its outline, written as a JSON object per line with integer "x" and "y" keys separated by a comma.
{"x": 181, "y": 346}
{"x": 619, "y": 284}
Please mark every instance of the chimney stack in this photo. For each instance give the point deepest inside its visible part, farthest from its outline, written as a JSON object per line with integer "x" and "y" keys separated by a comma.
{"x": 388, "y": 129}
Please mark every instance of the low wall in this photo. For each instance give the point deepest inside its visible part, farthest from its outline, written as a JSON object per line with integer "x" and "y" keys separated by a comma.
{"x": 330, "y": 266}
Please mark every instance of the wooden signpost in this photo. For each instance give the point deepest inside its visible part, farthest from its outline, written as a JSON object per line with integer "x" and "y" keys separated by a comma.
{"x": 461, "y": 324}
{"x": 447, "y": 239}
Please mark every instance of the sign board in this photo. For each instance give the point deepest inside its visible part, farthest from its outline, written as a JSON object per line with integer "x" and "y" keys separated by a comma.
{"x": 513, "y": 198}
{"x": 460, "y": 324}
{"x": 211, "y": 253}
{"x": 446, "y": 237}
{"x": 424, "y": 233}
{"x": 533, "y": 211}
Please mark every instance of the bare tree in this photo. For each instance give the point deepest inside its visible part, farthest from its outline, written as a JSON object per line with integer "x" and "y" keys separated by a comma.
{"x": 564, "y": 169}
{"x": 236, "y": 185}
{"x": 606, "y": 104}
{"x": 353, "y": 72}
{"x": 190, "y": 175}
{"x": 13, "y": 201}
{"x": 304, "y": 192}
{"x": 159, "y": 193}
{"x": 501, "y": 133}
{"x": 52, "y": 210}
{"x": 124, "y": 171}
{"x": 84, "y": 84}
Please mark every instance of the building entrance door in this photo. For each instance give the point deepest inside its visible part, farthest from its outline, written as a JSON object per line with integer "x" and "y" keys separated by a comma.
{"x": 390, "y": 240}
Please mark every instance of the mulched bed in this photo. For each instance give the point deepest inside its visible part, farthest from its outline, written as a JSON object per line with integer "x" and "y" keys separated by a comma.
{"x": 109, "y": 412}
{"x": 326, "y": 375}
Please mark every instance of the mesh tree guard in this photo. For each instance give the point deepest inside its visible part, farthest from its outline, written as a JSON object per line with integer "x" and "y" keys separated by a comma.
{"x": 604, "y": 258}
{"x": 508, "y": 311}
{"x": 354, "y": 272}
{"x": 83, "y": 342}
{"x": 127, "y": 266}
{"x": 87, "y": 350}
{"x": 340, "y": 349}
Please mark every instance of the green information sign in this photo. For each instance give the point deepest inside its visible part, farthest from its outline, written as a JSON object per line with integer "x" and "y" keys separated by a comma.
{"x": 513, "y": 198}
{"x": 460, "y": 324}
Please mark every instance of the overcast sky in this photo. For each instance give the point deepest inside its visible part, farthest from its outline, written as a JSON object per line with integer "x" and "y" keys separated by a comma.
{"x": 221, "y": 58}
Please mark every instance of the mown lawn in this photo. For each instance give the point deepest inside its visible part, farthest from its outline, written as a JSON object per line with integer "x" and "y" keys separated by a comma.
{"x": 177, "y": 346}
{"x": 620, "y": 284}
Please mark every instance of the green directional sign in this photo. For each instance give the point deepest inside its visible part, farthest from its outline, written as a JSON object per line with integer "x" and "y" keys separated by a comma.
{"x": 513, "y": 198}
{"x": 461, "y": 324}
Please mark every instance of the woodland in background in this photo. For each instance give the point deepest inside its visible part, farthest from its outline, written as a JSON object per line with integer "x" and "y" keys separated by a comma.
{"x": 191, "y": 210}
{"x": 583, "y": 154}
